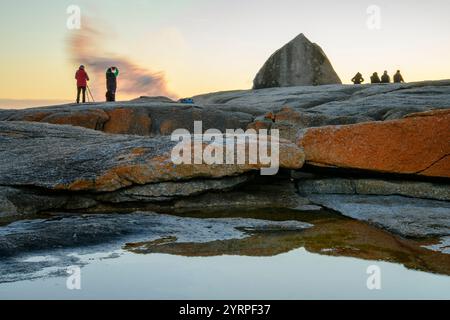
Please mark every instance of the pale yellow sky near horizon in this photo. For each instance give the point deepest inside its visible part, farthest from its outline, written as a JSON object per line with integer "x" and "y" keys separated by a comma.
{"x": 205, "y": 46}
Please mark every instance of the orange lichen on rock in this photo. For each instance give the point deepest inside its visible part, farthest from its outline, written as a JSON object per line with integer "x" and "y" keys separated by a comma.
{"x": 167, "y": 127}
{"x": 139, "y": 151}
{"x": 269, "y": 116}
{"x": 91, "y": 119}
{"x": 259, "y": 125}
{"x": 287, "y": 114}
{"x": 35, "y": 116}
{"x": 418, "y": 144}
{"x": 439, "y": 168}
{"x": 139, "y": 166}
{"x": 128, "y": 121}
{"x": 78, "y": 185}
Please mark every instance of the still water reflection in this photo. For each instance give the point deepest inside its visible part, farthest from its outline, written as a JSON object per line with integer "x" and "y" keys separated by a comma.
{"x": 293, "y": 275}
{"x": 148, "y": 256}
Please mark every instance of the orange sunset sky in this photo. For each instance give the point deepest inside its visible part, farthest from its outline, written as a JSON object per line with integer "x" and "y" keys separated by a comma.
{"x": 202, "y": 46}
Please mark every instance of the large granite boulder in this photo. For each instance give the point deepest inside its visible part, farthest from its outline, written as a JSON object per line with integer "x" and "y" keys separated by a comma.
{"x": 418, "y": 144}
{"x": 298, "y": 63}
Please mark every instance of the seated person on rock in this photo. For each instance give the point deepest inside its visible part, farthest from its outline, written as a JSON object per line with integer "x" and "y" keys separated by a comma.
{"x": 398, "y": 77}
{"x": 375, "y": 78}
{"x": 385, "y": 78}
{"x": 358, "y": 79}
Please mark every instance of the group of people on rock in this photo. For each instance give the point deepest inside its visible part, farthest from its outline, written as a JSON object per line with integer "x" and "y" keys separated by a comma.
{"x": 113, "y": 72}
{"x": 385, "y": 78}
{"x": 111, "y": 83}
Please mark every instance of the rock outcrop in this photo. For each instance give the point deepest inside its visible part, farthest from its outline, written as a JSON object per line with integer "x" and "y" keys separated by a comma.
{"x": 288, "y": 109}
{"x": 366, "y": 186}
{"x": 364, "y": 102}
{"x": 418, "y": 144}
{"x": 44, "y": 166}
{"x": 298, "y": 63}
{"x": 143, "y": 117}
{"x": 395, "y": 136}
{"x": 76, "y": 159}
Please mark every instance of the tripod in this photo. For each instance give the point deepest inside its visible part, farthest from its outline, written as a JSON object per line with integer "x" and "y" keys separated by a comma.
{"x": 90, "y": 93}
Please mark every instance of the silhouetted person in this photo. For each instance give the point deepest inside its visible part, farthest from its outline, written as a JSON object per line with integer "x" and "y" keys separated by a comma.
{"x": 385, "y": 78}
{"x": 358, "y": 79}
{"x": 82, "y": 79}
{"x": 398, "y": 77}
{"x": 375, "y": 78}
{"x": 111, "y": 83}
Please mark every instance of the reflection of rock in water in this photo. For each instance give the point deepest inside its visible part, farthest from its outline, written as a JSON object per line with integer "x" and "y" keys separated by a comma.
{"x": 330, "y": 235}
{"x": 39, "y": 248}
{"x": 84, "y": 230}
{"x": 409, "y": 217}
{"x": 67, "y": 240}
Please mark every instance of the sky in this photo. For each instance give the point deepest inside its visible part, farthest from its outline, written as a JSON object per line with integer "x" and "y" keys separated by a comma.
{"x": 199, "y": 46}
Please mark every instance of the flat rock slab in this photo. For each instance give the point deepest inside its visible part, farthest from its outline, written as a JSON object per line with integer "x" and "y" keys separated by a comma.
{"x": 228, "y": 194}
{"x": 443, "y": 246}
{"x": 69, "y": 158}
{"x": 166, "y": 191}
{"x": 143, "y": 117}
{"x": 404, "y": 216}
{"x": 23, "y": 201}
{"x": 418, "y": 144}
{"x": 377, "y": 102}
{"x": 258, "y": 194}
{"x": 413, "y": 189}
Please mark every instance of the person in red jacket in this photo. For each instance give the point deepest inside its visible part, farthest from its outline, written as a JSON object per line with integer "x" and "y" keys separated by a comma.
{"x": 82, "y": 79}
